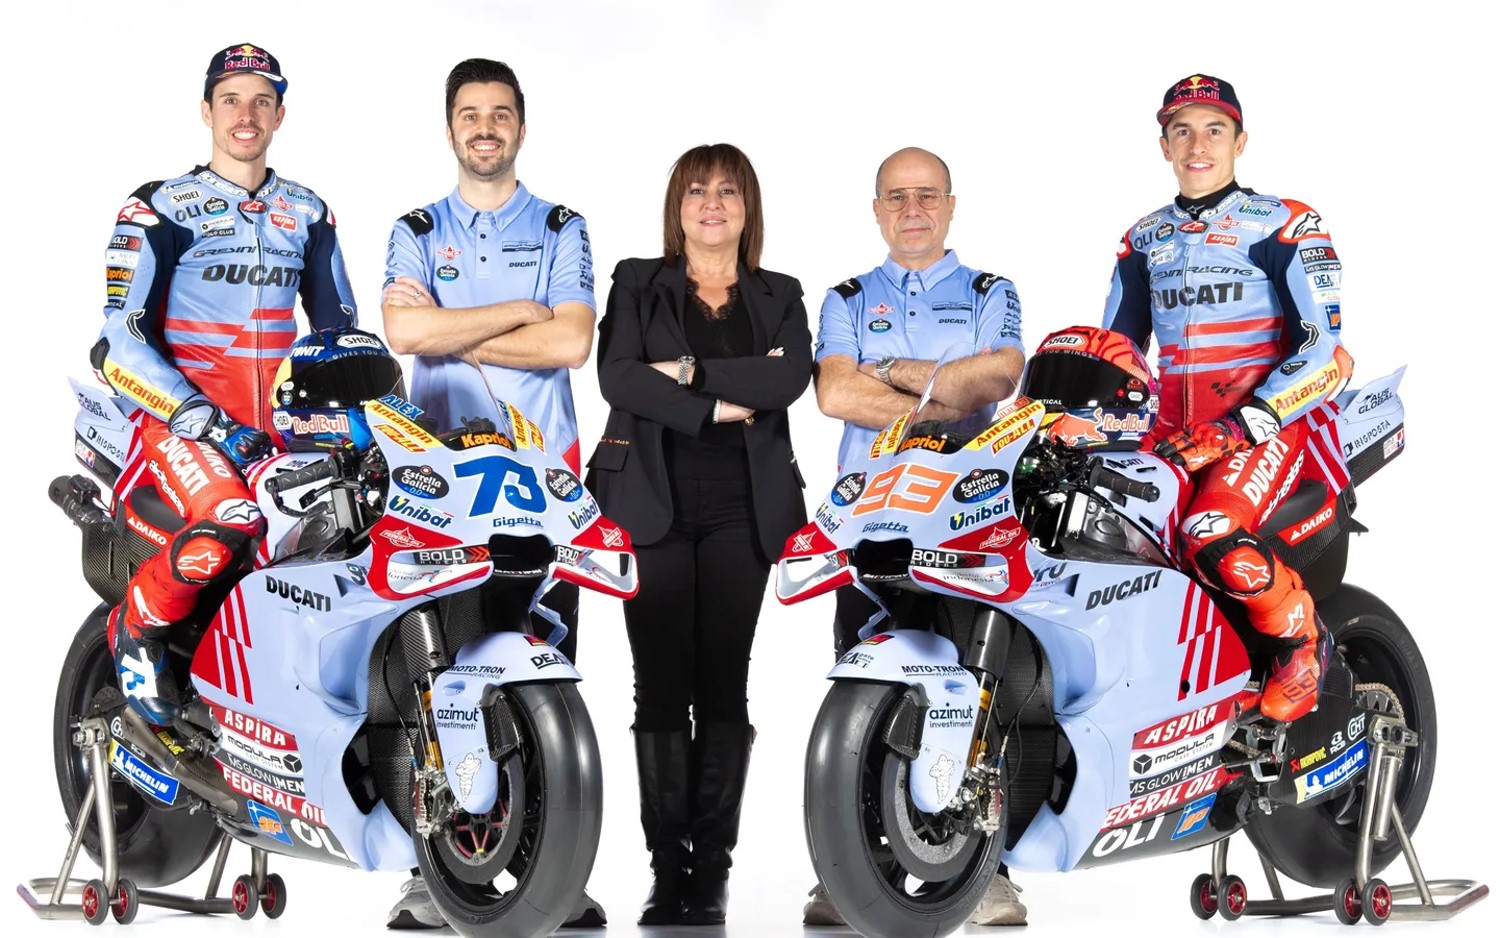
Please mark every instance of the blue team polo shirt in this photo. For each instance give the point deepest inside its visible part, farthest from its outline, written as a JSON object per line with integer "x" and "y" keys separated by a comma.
{"x": 915, "y": 314}
{"x": 527, "y": 249}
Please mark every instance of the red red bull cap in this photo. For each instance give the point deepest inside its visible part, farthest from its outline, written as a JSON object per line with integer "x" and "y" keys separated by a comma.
{"x": 1199, "y": 89}
{"x": 244, "y": 58}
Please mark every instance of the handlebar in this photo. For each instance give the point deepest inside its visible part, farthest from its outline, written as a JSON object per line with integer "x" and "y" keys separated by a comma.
{"x": 1108, "y": 478}
{"x": 317, "y": 472}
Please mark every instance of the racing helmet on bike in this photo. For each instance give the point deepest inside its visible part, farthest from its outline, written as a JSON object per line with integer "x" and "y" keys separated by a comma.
{"x": 1096, "y": 384}
{"x": 318, "y": 396}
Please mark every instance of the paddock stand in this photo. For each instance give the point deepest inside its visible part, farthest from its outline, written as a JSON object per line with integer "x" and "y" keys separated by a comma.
{"x": 1362, "y": 895}
{"x": 117, "y": 896}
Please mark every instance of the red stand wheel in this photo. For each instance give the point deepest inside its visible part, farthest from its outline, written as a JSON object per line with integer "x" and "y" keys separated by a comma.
{"x": 1346, "y": 902}
{"x": 1375, "y": 902}
{"x": 1204, "y": 898}
{"x": 273, "y": 899}
{"x": 244, "y": 897}
{"x": 127, "y": 902}
{"x": 1234, "y": 897}
{"x": 95, "y": 908}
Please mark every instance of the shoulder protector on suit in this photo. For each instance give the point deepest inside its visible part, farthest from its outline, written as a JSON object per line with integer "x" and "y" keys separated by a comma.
{"x": 419, "y": 220}
{"x": 559, "y": 216}
{"x": 984, "y": 281}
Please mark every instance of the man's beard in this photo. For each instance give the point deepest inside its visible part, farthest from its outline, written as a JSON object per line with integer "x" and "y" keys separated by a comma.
{"x": 498, "y": 165}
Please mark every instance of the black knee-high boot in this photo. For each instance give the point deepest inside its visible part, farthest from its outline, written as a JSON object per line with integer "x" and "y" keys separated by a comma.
{"x": 661, "y": 760}
{"x": 721, "y": 761}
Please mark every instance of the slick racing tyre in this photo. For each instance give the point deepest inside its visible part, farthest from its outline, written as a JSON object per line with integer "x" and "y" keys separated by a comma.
{"x": 519, "y": 869}
{"x": 1317, "y": 845}
{"x": 157, "y": 845}
{"x": 890, "y": 870}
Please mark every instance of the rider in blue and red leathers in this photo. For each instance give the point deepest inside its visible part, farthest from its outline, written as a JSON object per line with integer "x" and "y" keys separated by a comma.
{"x": 202, "y": 274}
{"x": 1242, "y": 293}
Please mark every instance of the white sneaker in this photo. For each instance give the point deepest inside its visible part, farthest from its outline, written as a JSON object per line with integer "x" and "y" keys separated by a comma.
{"x": 819, "y": 909}
{"x": 415, "y": 909}
{"x": 1000, "y": 905}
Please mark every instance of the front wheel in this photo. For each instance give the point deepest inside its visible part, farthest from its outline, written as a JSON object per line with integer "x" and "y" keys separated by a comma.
{"x": 890, "y": 869}
{"x": 157, "y": 845}
{"x": 1317, "y": 845}
{"x": 518, "y": 870}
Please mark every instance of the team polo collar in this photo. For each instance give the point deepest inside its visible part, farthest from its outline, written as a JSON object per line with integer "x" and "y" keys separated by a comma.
{"x": 928, "y": 277}
{"x": 466, "y": 215}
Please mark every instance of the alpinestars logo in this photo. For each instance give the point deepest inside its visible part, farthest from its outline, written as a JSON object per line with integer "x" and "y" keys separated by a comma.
{"x": 1253, "y": 575}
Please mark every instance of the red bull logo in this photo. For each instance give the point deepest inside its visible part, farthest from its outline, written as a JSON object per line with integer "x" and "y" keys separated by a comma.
{"x": 1072, "y": 430}
{"x": 1198, "y": 87}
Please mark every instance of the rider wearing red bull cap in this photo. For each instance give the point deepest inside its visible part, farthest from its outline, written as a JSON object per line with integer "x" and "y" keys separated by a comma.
{"x": 202, "y": 275}
{"x": 1242, "y": 293}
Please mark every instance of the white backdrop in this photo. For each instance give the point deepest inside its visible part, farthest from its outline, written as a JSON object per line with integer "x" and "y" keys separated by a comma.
{"x": 1044, "y": 113}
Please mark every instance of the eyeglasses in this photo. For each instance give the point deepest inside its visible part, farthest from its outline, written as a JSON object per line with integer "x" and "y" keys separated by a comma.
{"x": 897, "y": 199}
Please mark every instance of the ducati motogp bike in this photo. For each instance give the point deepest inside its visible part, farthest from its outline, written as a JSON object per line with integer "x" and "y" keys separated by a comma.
{"x": 1041, "y": 685}
{"x": 382, "y": 690}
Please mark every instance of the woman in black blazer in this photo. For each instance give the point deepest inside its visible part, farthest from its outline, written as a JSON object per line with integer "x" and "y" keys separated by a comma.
{"x": 700, "y": 353}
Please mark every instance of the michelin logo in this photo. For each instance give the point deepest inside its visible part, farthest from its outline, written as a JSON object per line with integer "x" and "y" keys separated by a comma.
{"x": 1316, "y": 783}
{"x": 161, "y": 787}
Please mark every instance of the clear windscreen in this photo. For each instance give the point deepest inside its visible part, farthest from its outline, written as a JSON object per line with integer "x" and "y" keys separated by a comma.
{"x": 958, "y": 403}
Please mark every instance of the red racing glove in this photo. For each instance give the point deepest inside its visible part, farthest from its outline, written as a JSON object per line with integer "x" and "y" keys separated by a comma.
{"x": 1203, "y": 444}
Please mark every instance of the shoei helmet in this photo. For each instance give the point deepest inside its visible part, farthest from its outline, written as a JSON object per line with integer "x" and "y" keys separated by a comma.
{"x": 318, "y": 396}
{"x": 1096, "y": 384}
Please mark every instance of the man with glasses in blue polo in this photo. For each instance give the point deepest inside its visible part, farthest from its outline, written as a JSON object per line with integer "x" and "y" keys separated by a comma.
{"x": 879, "y": 336}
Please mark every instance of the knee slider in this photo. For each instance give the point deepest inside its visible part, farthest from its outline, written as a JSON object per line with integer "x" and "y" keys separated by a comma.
{"x": 208, "y": 551}
{"x": 1240, "y": 564}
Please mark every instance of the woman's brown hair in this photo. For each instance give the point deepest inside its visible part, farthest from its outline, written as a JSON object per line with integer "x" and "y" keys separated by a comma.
{"x": 700, "y": 165}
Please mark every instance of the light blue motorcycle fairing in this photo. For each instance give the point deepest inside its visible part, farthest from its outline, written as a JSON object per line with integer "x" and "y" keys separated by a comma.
{"x": 927, "y": 660}
{"x": 489, "y": 661}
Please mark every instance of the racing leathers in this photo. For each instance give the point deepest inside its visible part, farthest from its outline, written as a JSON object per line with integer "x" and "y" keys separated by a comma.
{"x": 201, "y": 279}
{"x": 1242, "y": 293}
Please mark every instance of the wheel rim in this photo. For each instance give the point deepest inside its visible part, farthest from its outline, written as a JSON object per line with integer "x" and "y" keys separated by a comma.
{"x": 466, "y": 883}
{"x": 904, "y": 885}
{"x": 1372, "y": 660}
{"x": 1236, "y": 898}
{"x": 1351, "y": 902}
{"x": 241, "y": 897}
{"x": 1380, "y": 900}
{"x": 121, "y": 905}
{"x": 478, "y": 847}
{"x": 90, "y": 901}
{"x": 1206, "y": 900}
{"x": 269, "y": 898}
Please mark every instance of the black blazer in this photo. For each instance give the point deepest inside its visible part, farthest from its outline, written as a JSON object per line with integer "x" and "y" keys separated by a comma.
{"x": 643, "y": 324}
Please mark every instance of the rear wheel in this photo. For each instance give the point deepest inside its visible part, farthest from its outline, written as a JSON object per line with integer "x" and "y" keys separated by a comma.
{"x": 890, "y": 869}
{"x": 157, "y": 845}
{"x": 1317, "y": 845}
{"x": 524, "y": 862}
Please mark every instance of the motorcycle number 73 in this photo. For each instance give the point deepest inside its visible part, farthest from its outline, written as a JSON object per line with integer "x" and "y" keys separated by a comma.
{"x": 502, "y": 475}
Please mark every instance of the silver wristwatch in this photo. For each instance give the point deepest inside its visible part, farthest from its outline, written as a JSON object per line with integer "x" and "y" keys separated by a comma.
{"x": 883, "y": 368}
{"x": 684, "y": 368}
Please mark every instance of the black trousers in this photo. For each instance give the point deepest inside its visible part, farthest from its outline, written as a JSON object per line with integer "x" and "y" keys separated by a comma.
{"x": 693, "y": 622}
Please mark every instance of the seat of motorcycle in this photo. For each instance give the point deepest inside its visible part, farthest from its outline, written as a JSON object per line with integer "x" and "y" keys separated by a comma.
{"x": 151, "y": 508}
{"x": 1307, "y": 501}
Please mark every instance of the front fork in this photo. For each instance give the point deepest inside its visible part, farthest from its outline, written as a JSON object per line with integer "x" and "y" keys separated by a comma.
{"x": 422, "y": 641}
{"x": 988, "y": 653}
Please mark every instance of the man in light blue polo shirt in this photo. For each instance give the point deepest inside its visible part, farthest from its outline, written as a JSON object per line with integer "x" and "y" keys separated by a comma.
{"x": 493, "y": 271}
{"x": 879, "y": 336}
